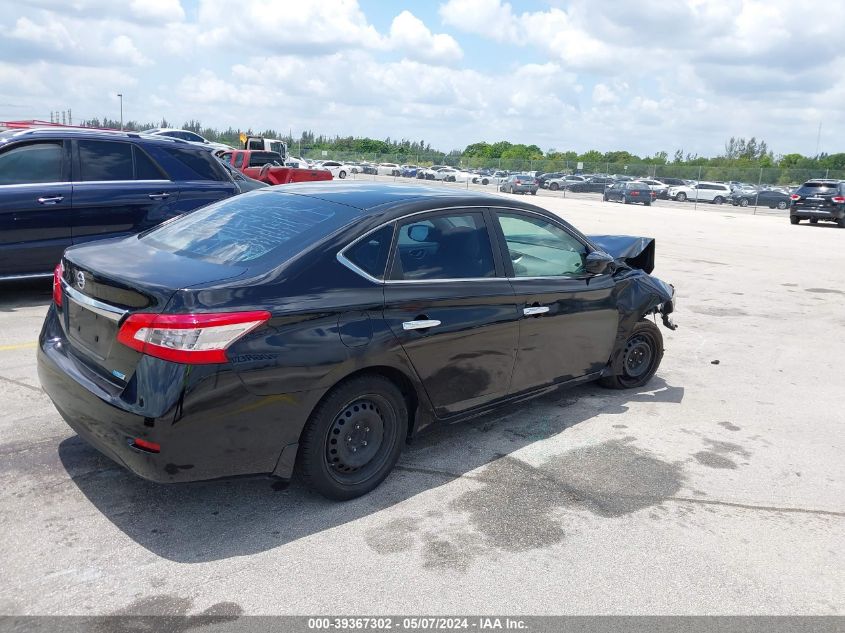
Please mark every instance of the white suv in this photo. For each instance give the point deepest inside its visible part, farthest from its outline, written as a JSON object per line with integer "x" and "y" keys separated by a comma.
{"x": 715, "y": 192}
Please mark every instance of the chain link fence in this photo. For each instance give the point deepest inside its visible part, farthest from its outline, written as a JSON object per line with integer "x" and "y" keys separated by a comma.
{"x": 750, "y": 175}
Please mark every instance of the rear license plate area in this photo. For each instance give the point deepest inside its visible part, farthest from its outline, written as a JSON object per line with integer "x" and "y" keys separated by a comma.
{"x": 91, "y": 331}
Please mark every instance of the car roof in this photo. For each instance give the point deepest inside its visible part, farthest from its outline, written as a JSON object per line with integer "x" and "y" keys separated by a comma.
{"x": 91, "y": 134}
{"x": 376, "y": 198}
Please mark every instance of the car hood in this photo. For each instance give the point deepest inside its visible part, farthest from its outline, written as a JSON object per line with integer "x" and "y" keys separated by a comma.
{"x": 636, "y": 252}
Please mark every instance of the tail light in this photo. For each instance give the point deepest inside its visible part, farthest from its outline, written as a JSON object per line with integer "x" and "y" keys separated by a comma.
{"x": 144, "y": 445}
{"x": 188, "y": 338}
{"x": 635, "y": 193}
{"x": 58, "y": 271}
{"x": 838, "y": 199}
{"x": 794, "y": 196}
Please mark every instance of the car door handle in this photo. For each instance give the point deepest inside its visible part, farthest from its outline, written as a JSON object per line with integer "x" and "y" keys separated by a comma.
{"x": 535, "y": 310}
{"x": 422, "y": 324}
{"x": 50, "y": 199}
{"x": 159, "y": 196}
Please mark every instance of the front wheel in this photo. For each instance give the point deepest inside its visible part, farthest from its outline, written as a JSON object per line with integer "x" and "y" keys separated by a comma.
{"x": 793, "y": 219}
{"x": 743, "y": 202}
{"x": 681, "y": 197}
{"x": 554, "y": 186}
{"x": 782, "y": 205}
{"x": 640, "y": 358}
{"x": 353, "y": 438}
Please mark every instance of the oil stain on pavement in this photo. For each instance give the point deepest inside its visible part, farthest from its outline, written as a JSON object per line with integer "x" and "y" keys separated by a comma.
{"x": 518, "y": 506}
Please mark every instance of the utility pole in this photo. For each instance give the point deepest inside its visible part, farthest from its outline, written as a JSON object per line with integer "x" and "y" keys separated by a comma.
{"x": 818, "y": 138}
{"x": 120, "y": 94}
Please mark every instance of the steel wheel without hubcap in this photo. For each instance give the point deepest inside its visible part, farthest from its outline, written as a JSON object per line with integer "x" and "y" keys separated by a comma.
{"x": 355, "y": 444}
{"x": 355, "y": 439}
{"x": 639, "y": 359}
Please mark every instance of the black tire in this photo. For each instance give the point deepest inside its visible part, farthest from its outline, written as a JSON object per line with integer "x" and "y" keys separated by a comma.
{"x": 484, "y": 181}
{"x": 533, "y": 192}
{"x": 743, "y": 202}
{"x": 648, "y": 204}
{"x": 640, "y": 358}
{"x": 341, "y": 174}
{"x": 718, "y": 200}
{"x": 814, "y": 221}
{"x": 793, "y": 219}
{"x": 681, "y": 197}
{"x": 554, "y": 186}
{"x": 841, "y": 223}
{"x": 782, "y": 205}
{"x": 625, "y": 200}
{"x": 604, "y": 198}
{"x": 370, "y": 402}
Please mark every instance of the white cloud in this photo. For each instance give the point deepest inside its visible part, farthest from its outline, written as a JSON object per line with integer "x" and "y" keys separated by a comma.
{"x": 409, "y": 35}
{"x": 603, "y": 94}
{"x": 163, "y": 10}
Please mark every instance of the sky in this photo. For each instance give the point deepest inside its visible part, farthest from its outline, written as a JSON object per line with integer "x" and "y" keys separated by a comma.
{"x": 645, "y": 76}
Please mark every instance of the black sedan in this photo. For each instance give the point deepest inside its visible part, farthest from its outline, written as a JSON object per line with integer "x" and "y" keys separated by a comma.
{"x": 596, "y": 184}
{"x": 321, "y": 325}
{"x": 630, "y": 193}
{"x": 772, "y": 199}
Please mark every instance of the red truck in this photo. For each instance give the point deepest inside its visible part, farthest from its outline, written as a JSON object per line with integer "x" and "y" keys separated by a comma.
{"x": 269, "y": 167}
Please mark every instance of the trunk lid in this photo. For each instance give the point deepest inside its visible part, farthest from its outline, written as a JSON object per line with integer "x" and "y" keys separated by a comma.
{"x": 108, "y": 280}
{"x": 816, "y": 195}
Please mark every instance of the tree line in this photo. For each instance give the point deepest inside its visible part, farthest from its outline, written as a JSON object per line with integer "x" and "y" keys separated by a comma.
{"x": 738, "y": 151}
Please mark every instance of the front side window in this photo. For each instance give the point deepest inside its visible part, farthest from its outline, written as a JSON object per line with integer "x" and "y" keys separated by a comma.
{"x": 105, "y": 160}
{"x": 443, "y": 247}
{"x": 38, "y": 162}
{"x": 538, "y": 248}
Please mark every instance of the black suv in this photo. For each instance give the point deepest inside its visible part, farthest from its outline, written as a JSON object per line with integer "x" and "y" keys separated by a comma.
{"x": 62, "y": 186}
{"x": 819, "y": 199}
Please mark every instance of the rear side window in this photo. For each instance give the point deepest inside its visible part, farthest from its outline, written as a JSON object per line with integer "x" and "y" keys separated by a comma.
{"x": 262, "y": 225}
{"x": 259, "y": 159}
{"x": 105, "y": 160}
{"x": 370, "y": 254}
{"x": 443, "y": 247}
{"x": 145, "y": 168}
{"x": 239, "y": 160}
{"x": 38, "y": 162}
{"x": 200, "y": 162}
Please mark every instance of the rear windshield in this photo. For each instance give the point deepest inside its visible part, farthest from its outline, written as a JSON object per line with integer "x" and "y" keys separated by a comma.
{"x": 819, "y": 185}
{"x": 261, "y": 225}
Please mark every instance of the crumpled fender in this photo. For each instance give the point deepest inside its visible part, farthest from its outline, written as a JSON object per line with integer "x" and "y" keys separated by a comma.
{"x": 636, "y": 252}
{"x": 637, "y": 295}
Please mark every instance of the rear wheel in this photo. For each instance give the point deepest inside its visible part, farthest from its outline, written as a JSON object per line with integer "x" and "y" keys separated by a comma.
{"x": 353, "y": 438}
{"x": 342, "y": 174}
{"x": 841, "y": 223}
{"x": 743, "y": 202}
{"x": 814, "y": 221}
{"x": 681, "y": 197}
{"x": 648, "y": 204}
{"x": 793, "y": 219}
{"x": 533, "y": 192}
{"x": 782, "y": 205}
{"x": 640, "y": 358}
{"x": 718, "y": 200}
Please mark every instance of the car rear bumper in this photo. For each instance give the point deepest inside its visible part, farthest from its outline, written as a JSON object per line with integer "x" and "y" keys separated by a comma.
{"x": 207, "y": 424}
{"x": 835, "y": 213}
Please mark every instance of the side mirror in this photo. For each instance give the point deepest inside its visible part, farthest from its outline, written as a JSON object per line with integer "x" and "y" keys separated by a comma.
{"x": 418, "y": 232}
{"x": 597, "y": 262}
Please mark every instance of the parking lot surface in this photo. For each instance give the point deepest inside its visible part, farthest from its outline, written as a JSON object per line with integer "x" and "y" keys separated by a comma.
{"x": 719, "y": 489}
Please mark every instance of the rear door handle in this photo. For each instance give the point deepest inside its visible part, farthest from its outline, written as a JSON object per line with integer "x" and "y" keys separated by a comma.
{"x": 50, "y": 199}
{"x": 535, "y": 310}
{"x": 159, "y": 196}
{"x": 422, "y": 324}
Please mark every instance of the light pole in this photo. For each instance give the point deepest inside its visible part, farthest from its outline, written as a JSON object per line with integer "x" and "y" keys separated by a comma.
{"x": 120, "y": 94}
